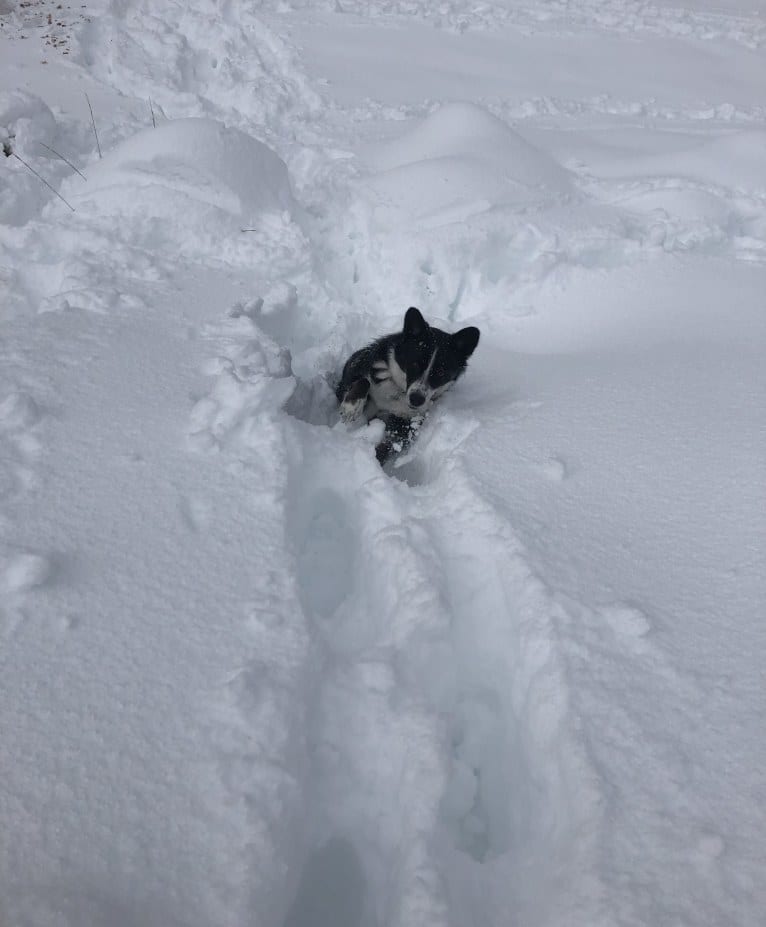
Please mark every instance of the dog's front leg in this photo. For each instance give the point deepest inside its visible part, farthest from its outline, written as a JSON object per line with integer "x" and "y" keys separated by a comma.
{"x": 354, "y": 400}
{"x": 399, "y": 432}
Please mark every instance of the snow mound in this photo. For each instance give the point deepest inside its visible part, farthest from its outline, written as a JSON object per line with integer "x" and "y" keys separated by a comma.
{"x": 204, "y": 181}
{"x": 464, "y": 130}
{"x": 462, "y": 160}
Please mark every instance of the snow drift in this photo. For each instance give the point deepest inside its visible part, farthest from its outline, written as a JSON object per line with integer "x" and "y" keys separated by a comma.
{"x": 461, "y": 160}
{"x": 215, "y": 181}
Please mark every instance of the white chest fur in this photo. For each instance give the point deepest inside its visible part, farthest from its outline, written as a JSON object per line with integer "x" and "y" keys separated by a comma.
{"x": 386, "y": 397}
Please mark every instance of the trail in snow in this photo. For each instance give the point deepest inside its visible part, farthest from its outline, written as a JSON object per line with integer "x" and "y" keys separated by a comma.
{"x": 440, "y": 709}
{"x": 248, "y": 677}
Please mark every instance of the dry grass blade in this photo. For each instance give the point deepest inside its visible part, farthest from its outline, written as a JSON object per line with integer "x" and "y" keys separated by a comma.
{"x": 43, "y": 180}
{"x": 93, "y": 123}
{"x": 66, "y": 160}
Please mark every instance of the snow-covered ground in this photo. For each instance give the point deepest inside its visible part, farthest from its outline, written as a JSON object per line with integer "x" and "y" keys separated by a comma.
{"x": 246, "y": 676}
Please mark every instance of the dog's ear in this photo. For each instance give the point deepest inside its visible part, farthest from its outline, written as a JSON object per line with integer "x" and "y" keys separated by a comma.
{"x": 465, "y": 341}
{"x": 414, "y": 323}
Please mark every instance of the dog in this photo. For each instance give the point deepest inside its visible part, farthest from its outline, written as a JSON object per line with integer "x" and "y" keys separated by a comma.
{"x": 398, "y": 377}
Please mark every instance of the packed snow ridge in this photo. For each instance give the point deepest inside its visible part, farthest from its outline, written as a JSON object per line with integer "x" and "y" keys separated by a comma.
{"x": 250, "y": 677}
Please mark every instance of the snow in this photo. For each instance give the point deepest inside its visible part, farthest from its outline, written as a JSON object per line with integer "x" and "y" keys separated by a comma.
{"x": 249, "y": 677}
{"x": 461, "y": 159}
{"x": 198, "y": 158}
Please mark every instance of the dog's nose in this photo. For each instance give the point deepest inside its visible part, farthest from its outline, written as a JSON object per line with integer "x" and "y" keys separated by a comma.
{"x": 417, "y": 399}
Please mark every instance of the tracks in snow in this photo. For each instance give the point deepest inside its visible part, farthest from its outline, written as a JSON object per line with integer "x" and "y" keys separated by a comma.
{"x": 443, "y": 773}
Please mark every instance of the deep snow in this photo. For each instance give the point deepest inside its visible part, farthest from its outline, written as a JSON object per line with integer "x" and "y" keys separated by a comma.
{"x": 248, "y": 677}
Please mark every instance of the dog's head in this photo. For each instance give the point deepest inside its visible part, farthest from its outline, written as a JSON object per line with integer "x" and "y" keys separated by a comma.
{"x": 426, "y": 361}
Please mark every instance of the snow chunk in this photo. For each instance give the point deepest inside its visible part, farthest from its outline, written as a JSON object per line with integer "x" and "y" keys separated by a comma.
{"x": 23, "y": 571}
{"x": 26, "y": 126}
{"x": 26, "y": 122}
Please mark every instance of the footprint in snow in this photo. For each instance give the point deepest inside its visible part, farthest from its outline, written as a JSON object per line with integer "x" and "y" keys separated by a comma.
{"x": 325, "y": 554}
{"x": 628, "y": 623}
{"x": 20, "y": 573}
{"x": 195, "y": 513}
{"x": 18, "y": 412}
{"x": 474, "y": 807}
{"x": 554, "y": 468}
{"x": 331, "y": 890}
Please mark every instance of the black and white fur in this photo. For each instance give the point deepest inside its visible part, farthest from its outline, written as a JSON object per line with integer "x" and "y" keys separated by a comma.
{"x": 398, "y": 377}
